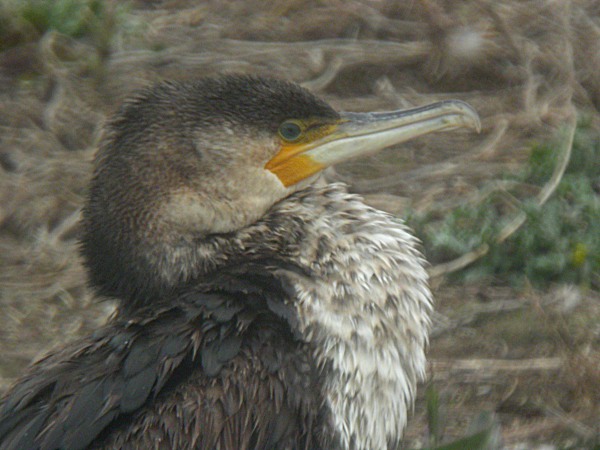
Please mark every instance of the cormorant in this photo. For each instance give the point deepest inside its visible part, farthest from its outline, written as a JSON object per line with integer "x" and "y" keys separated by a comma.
{"x": 258, "y": 308}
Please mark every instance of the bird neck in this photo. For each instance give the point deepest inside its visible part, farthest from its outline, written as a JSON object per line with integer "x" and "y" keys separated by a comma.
{"x": 358, "y": 295}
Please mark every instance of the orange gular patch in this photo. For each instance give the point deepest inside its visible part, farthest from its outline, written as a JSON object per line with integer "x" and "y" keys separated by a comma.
{"x": 293, "y": 168}
{"x": 286, "y": 152}
{"x": 291, "y": 165}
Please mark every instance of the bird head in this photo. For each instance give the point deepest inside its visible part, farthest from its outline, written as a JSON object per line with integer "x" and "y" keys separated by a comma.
{"x": 182, "y": 161}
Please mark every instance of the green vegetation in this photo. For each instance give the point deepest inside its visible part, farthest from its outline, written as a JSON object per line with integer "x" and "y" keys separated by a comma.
{"x": 23, "y": 21}
{"x": 560, "y": 240}
{"x": 73, "y": 18}
{"x": 482, "y": 433}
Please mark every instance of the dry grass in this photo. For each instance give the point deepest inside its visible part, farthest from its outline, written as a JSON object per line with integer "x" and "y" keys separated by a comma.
{"x": 526, "y": 65}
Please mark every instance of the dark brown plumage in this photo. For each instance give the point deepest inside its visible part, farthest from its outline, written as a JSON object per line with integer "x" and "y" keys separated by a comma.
{"x": 257, "y": 309}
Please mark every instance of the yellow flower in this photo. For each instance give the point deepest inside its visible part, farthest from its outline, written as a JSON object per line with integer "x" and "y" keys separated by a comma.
{"x": 579, "y": 255}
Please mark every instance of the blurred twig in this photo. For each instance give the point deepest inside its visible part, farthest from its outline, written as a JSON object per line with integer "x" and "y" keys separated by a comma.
{"x": 487, "y": 367}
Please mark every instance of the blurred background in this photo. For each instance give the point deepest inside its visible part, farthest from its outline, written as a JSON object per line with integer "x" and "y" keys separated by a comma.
{"x": 509, "y": 218}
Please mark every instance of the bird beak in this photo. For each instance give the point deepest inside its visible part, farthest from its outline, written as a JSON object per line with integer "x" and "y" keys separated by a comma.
{"x": 359, "y": 134}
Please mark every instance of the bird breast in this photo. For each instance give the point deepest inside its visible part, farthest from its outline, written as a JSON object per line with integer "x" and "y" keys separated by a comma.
{"x": 365, "y": 310}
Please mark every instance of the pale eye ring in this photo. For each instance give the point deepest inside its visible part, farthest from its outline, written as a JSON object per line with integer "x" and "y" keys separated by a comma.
{"x": 290, "y": 131}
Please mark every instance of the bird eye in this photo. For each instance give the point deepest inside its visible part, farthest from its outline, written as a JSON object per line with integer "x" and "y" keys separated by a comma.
{"x": 290, "y": 131}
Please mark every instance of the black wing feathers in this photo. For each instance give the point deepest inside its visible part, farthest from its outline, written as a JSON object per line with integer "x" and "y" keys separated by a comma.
{"x": 68, "y": 399}
{"x": 67, "y": 405}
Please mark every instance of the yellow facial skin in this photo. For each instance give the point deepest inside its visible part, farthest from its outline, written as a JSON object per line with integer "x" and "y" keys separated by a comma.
{"x": 291, "y": 164}
{"x": 307, "y": 147}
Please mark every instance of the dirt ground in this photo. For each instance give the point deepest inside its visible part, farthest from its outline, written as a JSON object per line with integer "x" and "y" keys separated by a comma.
{"x": 529, "y": 355}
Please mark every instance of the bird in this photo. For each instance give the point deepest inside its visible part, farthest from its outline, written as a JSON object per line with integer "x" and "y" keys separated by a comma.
{"x": 259, "y": 307}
